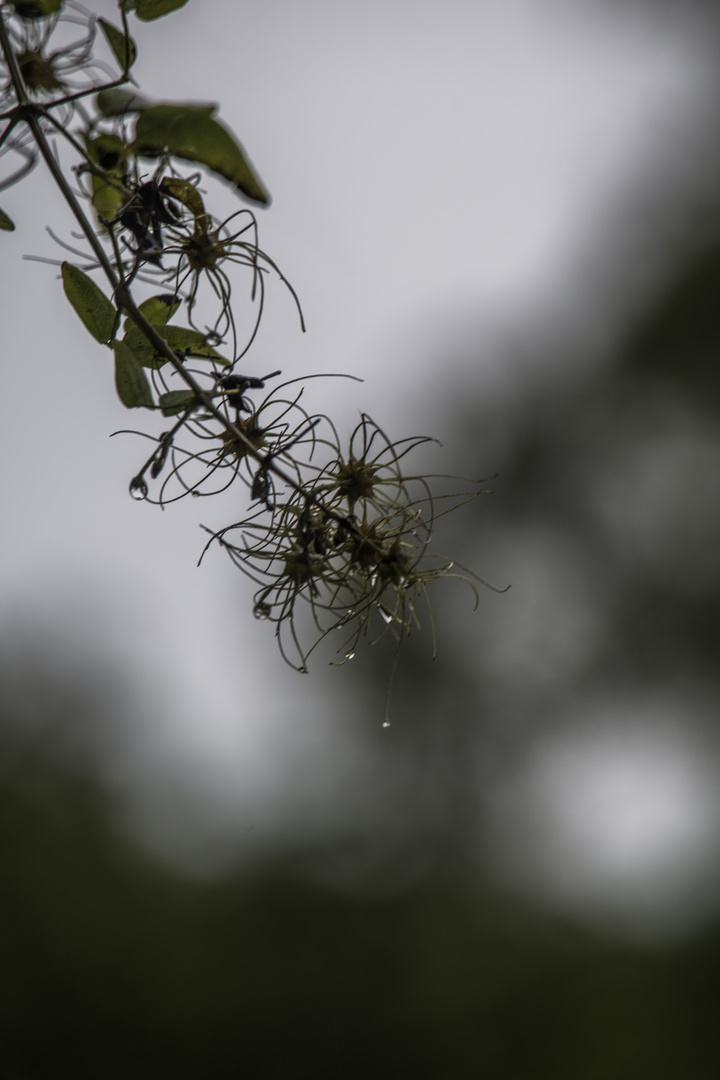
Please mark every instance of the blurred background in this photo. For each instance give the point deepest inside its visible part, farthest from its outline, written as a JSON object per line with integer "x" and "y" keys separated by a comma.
{"x": 504, "y": 217}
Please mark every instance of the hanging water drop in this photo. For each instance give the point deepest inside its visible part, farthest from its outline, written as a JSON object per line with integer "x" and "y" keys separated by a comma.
{"x": 386, "y": 723}
{"x": 138, "y": 488}
{"x": 262, "y": 610}
{"x": 349, "y": 655}
{"x": 386, "y": 615}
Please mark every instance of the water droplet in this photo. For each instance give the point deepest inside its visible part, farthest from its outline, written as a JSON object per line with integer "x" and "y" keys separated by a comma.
{"x": 349, "y": 655}
{"x": 386, "y": 615}
{"x": 138, "y": 488}
{"x": 303, "y": 670}
{"x": 262, "y": 611}
{"x": 195, "y": 494}
{"x": 386, "y": 723}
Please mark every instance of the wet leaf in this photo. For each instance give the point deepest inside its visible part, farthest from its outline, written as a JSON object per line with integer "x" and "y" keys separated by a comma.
{"x": 123, "y": 47}
{"x": 130, "y": 379}
{"x": 6, "y": 223}
{"x": 191, "y": 133}
{"x": 176, "y": 401}
{"x": 90, "y": 303}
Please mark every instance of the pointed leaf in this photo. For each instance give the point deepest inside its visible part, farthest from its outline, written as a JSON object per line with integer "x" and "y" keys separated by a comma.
{"x": 180, "y": 337}
{"x": 6, "y": 223}
{"x": 177, "y": 337}
{"x": 190, "y": 133}
{"x": 90, "y": 303}
{"x": 123, "y": 47}
{"x": 176, "y": 401}
{"x": 158, "y": 310}
{"x": 147, "y": 10}
{"x": 130, "y": 379}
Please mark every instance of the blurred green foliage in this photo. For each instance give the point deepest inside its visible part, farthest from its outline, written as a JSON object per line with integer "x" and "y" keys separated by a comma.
{"x": 114, "y": 965}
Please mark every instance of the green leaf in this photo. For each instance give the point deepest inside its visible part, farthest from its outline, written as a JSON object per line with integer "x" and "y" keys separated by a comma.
{"x": 190, "y": 133}
{"x": 147, "y": 10}
{"x": 110, "y": 153}
{"x": 184, "y": 192}
{"x": 158, "y": 310}
{"x": 6, "y": 223}
{"x": 176, "y": 401}
{"x": 117, "y": 102}
{"x": 180, "y": 337}
{"x": 177, "y": 337}
{"x": 189, "y": 196}
{"x": 130, "y": 379}
{"x": 123, "y": 47}
{"x": 37, "y": 9}
{"x": 90, "y": 303}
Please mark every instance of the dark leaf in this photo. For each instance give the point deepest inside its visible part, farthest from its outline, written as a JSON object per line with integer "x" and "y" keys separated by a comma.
{"x": 184, "y": 192}
{"x": 90, "y": 303}
{"x": 191, "y": 133}
{"x": 147, "y": 10}
{"x": 177, "y": 337}
{"x": 37, "y": 9}
{"x": 6, "y": 223}
{"x": 117, "y": 102}
{"x": 130, "y": 379}
{"x": 123, "y": 47}
{"x": 108, "y": 195}
{"x": 176, "y": 401}
{"x": 158, "y": 310}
